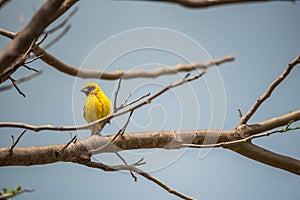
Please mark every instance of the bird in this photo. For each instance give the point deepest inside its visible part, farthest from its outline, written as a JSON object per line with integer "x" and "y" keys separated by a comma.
{"x": 97, "y": 106}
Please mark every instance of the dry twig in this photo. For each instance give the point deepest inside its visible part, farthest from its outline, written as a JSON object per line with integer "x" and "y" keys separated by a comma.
{"x": 74, "y": 139}
{"x": 16, "y": 142}
{"x": 109, "y": 117}
{"x": 269, "y": 91}
{"x": 132, "y": 168}
{"x": 20, "y": 80}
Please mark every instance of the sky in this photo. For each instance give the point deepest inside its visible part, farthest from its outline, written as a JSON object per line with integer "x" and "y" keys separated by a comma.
{"x": 129, "y": 35}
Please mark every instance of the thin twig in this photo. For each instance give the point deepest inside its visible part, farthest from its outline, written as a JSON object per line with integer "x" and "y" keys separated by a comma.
{"x": 140, "y": 162}
{"x": 17, "y": 88}
{"x": 20, "y": 80}
{"x": 125, "y": 104}
{"x": 247, "y": 139}
{"x": 33, "y": 59}
{"x": 43, "y": 39}
{"x": 57, "y": 153}
{"x": 125, "y": 101}
{"x": 133, "y": 168}
{"x": 269, "y": 91}
{"x": 122, "y": 130}
{"x": 16, "y": 142}
{"x": 116, "y": 95}
{"x": 30, "y": 68}
{"x": 124, "y": 161}
{"x": 109, "y": 117}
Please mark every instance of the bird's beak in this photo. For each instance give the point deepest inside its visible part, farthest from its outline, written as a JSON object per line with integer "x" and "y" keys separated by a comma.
{"x": 85, "y": 91}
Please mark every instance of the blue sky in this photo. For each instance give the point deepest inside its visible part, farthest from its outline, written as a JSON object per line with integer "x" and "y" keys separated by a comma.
{"x": 263, "y": 38}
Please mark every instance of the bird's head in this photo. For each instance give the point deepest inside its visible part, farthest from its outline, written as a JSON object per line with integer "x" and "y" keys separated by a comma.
{"x": 89, "y": 87}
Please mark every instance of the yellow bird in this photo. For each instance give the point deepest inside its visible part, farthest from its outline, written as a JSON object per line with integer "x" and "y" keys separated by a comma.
{"x": 97, "y": 105}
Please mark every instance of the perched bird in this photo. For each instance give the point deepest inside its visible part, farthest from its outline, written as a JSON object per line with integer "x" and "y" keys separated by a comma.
{"x": 97, "y": 105}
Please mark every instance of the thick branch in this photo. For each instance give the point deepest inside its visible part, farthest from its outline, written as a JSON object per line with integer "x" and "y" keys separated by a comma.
{"x": 49, "y": 12}
{"x": 42, "y": 18}
{"x": 267, "y": 157}
{"x": 146, "y": 140}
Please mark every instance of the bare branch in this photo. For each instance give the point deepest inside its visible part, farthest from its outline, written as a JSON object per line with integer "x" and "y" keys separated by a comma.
{"x": 147, "y": 140}
{"x": 124, "y": 161}
{"x": 15, "y": 86}
{"x": 126, "y": 103}
{"x": 116, "y": 95}
{"x": 99, "y": 74}
{"x": 48, "y": 13}
{"x": 16, "y": 142}
{"x": 7, "y": 33}
{"x": 20, "y": 80}
{"x": 207, "y": 3}
{"x": 122, "y": 130}
{"x": 74, "y": 139}
{"x": 30, "y": 68}
{"x": 136, "y": 170}
{"x": 107, "y": 118}
{"x": 269, "y": 91}
{"x": 226, "y": 144}
{"x": 43, "y": 39}
{"x": 24, "y": 39}
{"x": 267, "y": 157}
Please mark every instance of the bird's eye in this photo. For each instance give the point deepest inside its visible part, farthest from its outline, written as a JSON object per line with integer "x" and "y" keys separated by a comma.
{"x": 91, "y": 88}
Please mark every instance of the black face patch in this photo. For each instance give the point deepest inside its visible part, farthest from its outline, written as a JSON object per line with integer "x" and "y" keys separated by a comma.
{"x": 90, "y": 88}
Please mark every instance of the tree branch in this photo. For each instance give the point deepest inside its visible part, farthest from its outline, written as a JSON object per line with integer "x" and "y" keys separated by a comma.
{"x": 49, "y": 12}
{"x": 109, "y": 117}
{"x": 132, "y": 168}
{"x": 269, "y": 91}
{"x": 21, "y": 43}
{"x": 20, "y": 80}
{"x": 146, "y": 140}
{"x": 267, "y": 157}
{"x": 99, "y": 74}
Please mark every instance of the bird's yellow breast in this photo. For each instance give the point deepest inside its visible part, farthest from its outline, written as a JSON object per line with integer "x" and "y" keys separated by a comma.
{"x": 97, "y": 106}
